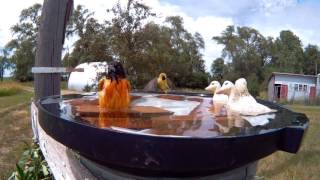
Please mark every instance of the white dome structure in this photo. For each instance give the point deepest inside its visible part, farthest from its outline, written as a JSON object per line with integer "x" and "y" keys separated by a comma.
{"x": 89, "y": 77}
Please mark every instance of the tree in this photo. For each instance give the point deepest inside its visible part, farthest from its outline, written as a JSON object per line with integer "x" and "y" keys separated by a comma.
{"x": 288, "y": 53}
{"x": 311, "y": 59}
{"x": 128, "y": 39}
{"x": 4, "y": 63}
{"x": 94, "y": 39}
{"x": 187, "y": 63}
{"x": 217, "y": 69}
{"x": 93, "y": 45}
{"x": 144, "y": 47}
{"x": 23, "y": 45}
{"x": 248, "y": 51}
{"x": 78, "y": 20}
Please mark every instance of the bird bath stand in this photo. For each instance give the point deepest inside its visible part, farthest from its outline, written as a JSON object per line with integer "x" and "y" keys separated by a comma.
{"x": 145, "y": 147}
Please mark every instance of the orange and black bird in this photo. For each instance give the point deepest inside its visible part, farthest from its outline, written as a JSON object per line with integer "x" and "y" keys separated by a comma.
{"x": 114, "y": 88}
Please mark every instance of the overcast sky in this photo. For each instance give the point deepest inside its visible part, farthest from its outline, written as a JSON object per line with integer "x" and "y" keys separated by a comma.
{"x": 208, "y": 17}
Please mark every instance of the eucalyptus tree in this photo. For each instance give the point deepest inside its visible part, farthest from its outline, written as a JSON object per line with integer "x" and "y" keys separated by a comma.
{"x": 248, "y": 52}
{"x": 311, "y": 59}
{"x": 218, "y": 69}
{"x": 288, "y": 53}
{"x": 4, "y": 63}
{"x": 22, "y": 46}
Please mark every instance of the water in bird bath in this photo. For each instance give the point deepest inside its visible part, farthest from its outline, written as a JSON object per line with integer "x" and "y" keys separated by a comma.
{"x": 166, "y": 115}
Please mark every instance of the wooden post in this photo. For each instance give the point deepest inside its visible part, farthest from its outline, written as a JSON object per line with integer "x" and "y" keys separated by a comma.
{"x": 50, "y": 41}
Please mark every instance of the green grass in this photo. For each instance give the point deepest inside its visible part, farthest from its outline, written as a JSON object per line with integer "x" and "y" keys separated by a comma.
{"x": 9, "y": 88}
{"x": 9, "y": 101}
{"x": 64, "y": 84}
{"x": 14, "y": 127}
{"x": 303, "y": 165}
{"x": 9, "y": 91}
{"x": 15, "y": 130}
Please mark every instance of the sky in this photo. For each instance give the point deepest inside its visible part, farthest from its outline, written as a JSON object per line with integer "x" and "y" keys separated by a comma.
{"x": 208, "y": 17}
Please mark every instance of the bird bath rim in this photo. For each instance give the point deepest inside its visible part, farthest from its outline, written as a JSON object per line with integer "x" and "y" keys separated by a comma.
{"x": 195, "y": 94}
{"x": 170, "y": 156}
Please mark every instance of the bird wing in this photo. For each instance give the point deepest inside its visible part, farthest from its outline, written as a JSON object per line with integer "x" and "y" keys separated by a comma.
{"x": 151, "y": 86}
{"x": 252, "y": 109}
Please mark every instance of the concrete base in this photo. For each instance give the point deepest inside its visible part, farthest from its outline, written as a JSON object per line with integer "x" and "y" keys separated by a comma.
{"x": 101, "y": 172}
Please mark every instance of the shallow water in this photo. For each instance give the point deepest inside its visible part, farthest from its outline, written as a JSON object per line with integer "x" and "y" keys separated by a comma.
{"x": 166, "y": 115}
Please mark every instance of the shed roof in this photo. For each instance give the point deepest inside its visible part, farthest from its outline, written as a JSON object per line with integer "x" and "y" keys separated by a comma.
{"x": 291, "y": 74}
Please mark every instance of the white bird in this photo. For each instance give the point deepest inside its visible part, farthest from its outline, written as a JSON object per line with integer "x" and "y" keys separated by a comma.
{"x": 242, "y": 88}
{"x": 240, "y": 101}
{"x": 217, "y": 98}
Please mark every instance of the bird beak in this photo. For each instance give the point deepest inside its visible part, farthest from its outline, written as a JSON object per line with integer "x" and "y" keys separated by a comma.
{"x": 210, "y": 88}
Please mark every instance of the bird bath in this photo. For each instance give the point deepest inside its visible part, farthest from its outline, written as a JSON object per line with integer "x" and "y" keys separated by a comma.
{"x": 169, "y": 135}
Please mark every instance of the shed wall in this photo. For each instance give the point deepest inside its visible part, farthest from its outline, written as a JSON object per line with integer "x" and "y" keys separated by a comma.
{"x": 271, "y": 89}
{"x": 295, "y": 93}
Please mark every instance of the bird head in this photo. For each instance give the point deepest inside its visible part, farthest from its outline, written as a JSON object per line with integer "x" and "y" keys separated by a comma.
{"x": 226, "y": 88}
{"x": 213, "y": 86}
{"x": 162, "y": 76}
{"x": 241, "y": 86}
{"x": 115, "y": 71}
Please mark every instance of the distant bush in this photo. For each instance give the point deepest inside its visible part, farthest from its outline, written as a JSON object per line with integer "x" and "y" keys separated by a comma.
{"x": 88, "y": 88}
{"x": 195, "y": 81}
{"x": 9, "y": 89}
{"x": 263, "y": 95}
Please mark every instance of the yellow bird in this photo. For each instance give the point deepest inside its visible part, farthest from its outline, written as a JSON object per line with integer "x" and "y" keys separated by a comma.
{"x": 162, "y": 82}
{"x": 114, "y": 89}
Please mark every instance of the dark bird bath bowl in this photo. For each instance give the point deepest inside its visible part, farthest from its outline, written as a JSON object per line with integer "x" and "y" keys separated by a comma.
{"x": 155, "y": 141}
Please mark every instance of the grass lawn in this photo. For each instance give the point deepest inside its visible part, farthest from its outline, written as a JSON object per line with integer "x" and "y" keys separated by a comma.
{"x": 15, "y": 129}
{"x": 64, "y": 84}
{"x": 303, "y": 165}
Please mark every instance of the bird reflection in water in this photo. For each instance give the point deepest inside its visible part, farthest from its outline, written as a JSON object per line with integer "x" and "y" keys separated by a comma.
{"x": 108, "y": 118}
{"x": 208, "y": 119}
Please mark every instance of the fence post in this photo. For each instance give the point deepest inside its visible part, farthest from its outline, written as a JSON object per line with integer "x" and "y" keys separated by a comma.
{"x": 54, "y": 16}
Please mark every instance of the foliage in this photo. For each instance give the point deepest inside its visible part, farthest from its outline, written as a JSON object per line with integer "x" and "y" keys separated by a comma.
{"x": 24, "y": 43}
{"x": 87, "y": 88}
{"x": 218, "y": 69}
{"x": 255, "y": 57}
{"x": 287, "y": 54}
{"x": 23, "y": 59}
{"x": 93, "y": 43}
{"x": 147, "y": 49}
{"x": 248, "y": 51}
{"x": 32, "y": 165}
{"x": 311, "y": 59}
{"x": 144, "y": 47}
{"x": 4, "y": 63}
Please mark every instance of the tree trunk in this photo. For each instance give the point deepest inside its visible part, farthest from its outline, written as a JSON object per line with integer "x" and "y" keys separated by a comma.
{"x": 1, "y": 73}
{"x": 50, "y": 41}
